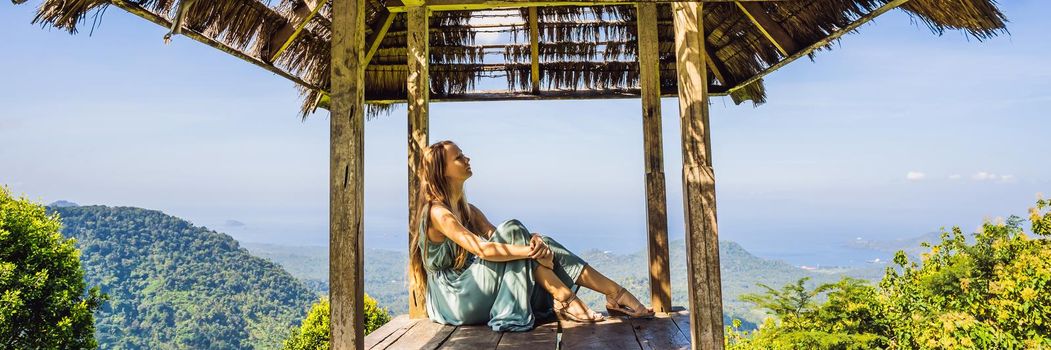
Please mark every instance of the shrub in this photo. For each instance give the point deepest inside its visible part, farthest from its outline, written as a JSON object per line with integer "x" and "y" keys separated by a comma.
{"x": 43, "y": 304}
{"x": 314, "y": 333}
{"x": 989, "y": 294}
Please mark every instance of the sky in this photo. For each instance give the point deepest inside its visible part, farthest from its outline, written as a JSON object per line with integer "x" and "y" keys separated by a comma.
{"x": 894, "y": 133}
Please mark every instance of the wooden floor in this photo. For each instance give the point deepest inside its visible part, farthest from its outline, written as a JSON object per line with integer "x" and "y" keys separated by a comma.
{"x": 669, "y": 331}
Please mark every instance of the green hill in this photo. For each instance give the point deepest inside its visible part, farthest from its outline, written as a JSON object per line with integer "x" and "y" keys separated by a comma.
{"x": 173, "y": 285}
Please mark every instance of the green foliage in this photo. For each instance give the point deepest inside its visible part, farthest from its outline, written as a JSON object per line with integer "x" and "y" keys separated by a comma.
{"x": 43, "y": 304}
{"x": 314, "y": 333}
{"x": 992, "y": 293}
{"x": 793, "y": 304}
{"x": 849, "y": 318}
{"x": 174, "y": 285}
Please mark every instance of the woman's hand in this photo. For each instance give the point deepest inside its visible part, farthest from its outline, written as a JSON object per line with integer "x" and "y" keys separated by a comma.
{"x": 539, "y": 251}
{"x": 535, "y": 239}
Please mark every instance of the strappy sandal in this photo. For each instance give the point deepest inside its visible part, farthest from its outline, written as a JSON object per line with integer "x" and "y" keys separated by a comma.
{"x": 615, "y": 308}
{"x": 563, "y": 314}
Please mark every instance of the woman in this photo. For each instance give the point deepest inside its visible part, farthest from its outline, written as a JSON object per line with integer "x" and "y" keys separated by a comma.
{"x": 504, "y": 275}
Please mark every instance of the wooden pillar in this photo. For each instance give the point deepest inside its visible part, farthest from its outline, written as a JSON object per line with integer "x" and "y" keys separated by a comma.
{"x": 698, "y": 179}
{"x": 534, "y": 50}
{"x": 346, "y": 176}
{"x": 656, "y": 201}
{"x": 418, "y": 96}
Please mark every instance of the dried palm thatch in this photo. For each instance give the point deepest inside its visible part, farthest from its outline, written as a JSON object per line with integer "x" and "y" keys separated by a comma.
{"x": 580, "y": 48}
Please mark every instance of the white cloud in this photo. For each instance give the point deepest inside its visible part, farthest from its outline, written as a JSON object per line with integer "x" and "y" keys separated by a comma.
{"x": 985, "y": 176}
{"x": 915, "y": 176}
{"x": 955, "y": 177}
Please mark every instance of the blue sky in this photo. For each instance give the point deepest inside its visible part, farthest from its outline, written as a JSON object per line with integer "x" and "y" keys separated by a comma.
{"x": 894, "y": 133}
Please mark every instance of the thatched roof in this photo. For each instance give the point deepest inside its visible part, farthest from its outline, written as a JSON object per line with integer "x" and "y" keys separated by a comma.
{"x": 583, "y": 51}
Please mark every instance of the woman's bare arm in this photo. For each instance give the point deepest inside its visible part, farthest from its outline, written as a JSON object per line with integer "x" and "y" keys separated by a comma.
{"x": 445, "y": 222}
{"x": 539, "y": 250}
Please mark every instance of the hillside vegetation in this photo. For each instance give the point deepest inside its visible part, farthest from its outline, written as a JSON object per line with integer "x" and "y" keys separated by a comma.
{"x": 173, "y": 285}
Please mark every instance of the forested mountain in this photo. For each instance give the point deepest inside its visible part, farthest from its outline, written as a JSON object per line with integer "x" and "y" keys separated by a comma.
{"x": 173, "y": 285}
{"x": 384, "y": 271}
{"x": 741, "y": 271}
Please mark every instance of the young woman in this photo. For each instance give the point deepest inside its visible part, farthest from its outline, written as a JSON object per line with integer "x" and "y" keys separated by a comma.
{"x": 503, "y": 275}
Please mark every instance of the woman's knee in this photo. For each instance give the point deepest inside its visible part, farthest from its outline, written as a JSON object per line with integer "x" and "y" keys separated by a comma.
{"x": 511, "y": 231}
{"x": 551, "y": 242}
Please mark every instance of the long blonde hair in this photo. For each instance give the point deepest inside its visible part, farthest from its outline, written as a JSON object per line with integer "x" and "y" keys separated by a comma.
{"x": 434, "y": 189}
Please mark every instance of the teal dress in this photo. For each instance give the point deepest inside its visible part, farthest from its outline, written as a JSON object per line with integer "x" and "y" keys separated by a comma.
{"x": 502, "y": 294}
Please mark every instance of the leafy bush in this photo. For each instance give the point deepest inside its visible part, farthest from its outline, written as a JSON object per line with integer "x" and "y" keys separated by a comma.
{"x": 992, "y": 293}
{"x": 43, "y": 304}
{"x": 315, "y": 332}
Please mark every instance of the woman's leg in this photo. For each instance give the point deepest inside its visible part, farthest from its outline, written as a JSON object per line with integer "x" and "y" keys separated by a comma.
{"x": 550, "y": 282}
{"x": 515, "y": 283}
{"x": 594, "y": 280}
{"x": 571, "y": 269}
{"x": 547, "y": 279}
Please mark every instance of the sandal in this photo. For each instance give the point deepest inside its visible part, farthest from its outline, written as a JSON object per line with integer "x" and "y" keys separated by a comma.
{"x": 615, "y": 308}
{"x": 563, "y": 314}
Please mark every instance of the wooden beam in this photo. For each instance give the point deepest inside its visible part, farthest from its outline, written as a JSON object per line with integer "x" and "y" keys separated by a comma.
{"x": 534, "y": 50}
{"x": 698, "y": 180}
{"x": 137, "y": 10}
{"x": 419, "y": 89}
{"x": 379, "y": 31}
{"x": 490, "y": 96}
{"x": 772, "y": 30}
{"x": 460, "y": 5}
{"x": 821, "y": 43}
{"x": 346, "y": 177}
{"x": 717, "y": 67}
{"x": 653, "y": 156}
{"x": 288, "y": 33}
{"x": 547, "y": 95}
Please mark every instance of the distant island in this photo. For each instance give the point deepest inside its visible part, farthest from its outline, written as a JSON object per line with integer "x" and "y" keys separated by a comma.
{"x": 62, "y": 204}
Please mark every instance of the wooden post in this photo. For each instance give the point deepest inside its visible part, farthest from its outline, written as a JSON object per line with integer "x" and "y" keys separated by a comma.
{"x": 534, "y": 50}
{"x": 346, "y": 173}
{"x": 698, "y": 180}
{"x": 418, "y": 95}
{"x": 656, "y": 202}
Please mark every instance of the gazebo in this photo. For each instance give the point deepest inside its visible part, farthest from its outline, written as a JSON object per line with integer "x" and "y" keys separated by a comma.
{"x": 358, "y": 57}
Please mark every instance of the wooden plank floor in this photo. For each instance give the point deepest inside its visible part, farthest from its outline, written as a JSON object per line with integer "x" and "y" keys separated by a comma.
{"x": 669, "y": 331}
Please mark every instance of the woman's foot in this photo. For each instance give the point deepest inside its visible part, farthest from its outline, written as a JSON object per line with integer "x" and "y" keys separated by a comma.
{"x": 623, "y": 303}
{"x": 575, "y": 310}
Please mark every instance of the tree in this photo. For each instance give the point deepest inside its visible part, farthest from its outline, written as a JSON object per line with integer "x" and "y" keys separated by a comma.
{"x": 43, "y": 304}
{"x": 989, "y": 294}
{"x": 315, "y": 332}
{"x": 849, "y": 319}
